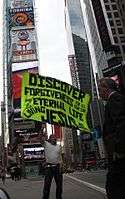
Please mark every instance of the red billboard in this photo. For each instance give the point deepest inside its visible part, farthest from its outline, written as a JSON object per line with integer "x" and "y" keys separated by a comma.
{"x": 57, "y": 131}
{"x": 16, "y": 85}
{"x": 17, "y": 81}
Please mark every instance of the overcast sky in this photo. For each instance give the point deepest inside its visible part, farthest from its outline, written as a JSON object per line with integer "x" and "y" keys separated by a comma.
{"x": 52, "y": 41}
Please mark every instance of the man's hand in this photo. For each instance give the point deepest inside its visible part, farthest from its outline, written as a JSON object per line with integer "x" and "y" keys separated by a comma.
{"x": 43, "y": 137}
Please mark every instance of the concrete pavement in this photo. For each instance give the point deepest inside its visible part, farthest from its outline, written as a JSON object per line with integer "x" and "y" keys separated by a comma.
{"x": 74, "y": 188}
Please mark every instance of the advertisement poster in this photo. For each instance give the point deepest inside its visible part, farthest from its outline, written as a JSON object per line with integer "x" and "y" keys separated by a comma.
{"x": 20, "y": 3}
{"x": 23, "y": 45}
{"x": 50, "y": 100}
{"x": 16, "y": 86}
{"x": 21, "y": 17}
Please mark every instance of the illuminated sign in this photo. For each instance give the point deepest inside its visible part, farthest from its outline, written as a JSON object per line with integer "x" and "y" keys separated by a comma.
{"x": 21, "y": 17}
{"x": 23, "y": 45}
{"x": 17, "y": 81}
{"x": 20, "y": 3}
{"x": 50, "y": 100}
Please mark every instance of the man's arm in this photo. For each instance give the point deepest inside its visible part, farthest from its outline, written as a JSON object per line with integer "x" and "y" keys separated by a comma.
{"x": 42, "y": 138}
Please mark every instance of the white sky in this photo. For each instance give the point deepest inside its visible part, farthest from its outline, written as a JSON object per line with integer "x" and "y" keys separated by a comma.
{"x": 52, "y": 42}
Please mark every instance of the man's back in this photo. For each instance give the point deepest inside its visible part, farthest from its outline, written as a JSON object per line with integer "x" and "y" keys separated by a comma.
{"x": 114, "y": 124}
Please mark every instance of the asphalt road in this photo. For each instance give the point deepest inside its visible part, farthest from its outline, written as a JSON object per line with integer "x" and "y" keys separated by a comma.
{"x": 76, "y": 186}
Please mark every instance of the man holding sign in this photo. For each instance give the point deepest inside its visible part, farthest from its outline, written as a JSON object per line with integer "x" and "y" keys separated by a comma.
{"x": 53, "y": 166}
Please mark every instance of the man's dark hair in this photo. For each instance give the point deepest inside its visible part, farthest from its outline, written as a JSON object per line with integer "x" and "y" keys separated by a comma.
{"x": 108, "y": 83}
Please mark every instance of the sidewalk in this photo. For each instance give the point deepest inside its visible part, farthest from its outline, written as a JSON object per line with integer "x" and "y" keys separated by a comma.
{"x": 96, "y": 177}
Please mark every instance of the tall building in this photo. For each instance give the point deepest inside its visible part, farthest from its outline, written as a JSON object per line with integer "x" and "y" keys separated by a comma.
{"x": 21, "y": 54}
{"x": 104, "y": 20}
{"x": 80, "y": 61}
{"x": 121, "y": 4}
{"x": 81, "y": 67}
{"x": 74, "y": 23}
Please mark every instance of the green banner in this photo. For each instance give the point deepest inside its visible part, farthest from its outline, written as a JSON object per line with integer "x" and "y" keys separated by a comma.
{"x": 50, "y": 100}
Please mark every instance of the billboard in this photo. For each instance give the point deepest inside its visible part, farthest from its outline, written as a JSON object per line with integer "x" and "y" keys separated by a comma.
{"x": 33, "y": 152}
{"x": 50, "y": 100}
{"x": 23, "y": 45}
{"x": 16, "y": 85}
{"x": 21, "y": 17}
{"x": 17, "y": 81}
{"x": 20, "y": 66}
{"x": 57, "y": 131}
{"x": 20, "y": 3}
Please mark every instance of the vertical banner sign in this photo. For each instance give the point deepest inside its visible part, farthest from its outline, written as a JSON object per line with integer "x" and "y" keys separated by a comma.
{"x": 50, "y": 100}
{"x": 23, "y": 45}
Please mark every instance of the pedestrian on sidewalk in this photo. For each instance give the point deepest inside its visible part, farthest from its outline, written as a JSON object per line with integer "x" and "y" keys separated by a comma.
{"x": 53, "y": 167}
{"x": 114, "y": 137}
{"x": 3, "y": 175}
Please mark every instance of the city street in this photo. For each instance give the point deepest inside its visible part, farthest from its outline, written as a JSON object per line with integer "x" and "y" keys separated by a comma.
{"x": 88, "y": 185}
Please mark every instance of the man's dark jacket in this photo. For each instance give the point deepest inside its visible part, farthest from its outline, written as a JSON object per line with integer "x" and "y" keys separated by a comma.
{"x": 114, "y": 124}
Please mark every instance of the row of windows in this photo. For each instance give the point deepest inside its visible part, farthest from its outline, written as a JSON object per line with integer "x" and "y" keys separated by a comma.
{"x": 107, "y": 1}
{"x": 121, "y": 38}
{"x": 116, "y": 14}
{"x": 114, "y": 7}
{"x": 120, "y": 30}
{"x": 119, "y": 51}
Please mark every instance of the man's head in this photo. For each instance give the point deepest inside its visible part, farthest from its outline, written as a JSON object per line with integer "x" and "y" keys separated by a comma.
{"x": 52, "y": 139}
{"x": 105, "y": 86}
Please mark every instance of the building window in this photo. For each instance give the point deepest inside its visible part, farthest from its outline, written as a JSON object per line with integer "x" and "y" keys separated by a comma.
{"x": 123, "y": 7}
{"x": 120, "y": 30}
{"x": 123, "y": 48}
{"x": 115, "y": 39}
{"x": 122, "y": 39}
{"x": 118, "y": 22}
{"x": 105, "y": 1}
{"x": 111, "y": 22}
{"x": 116, "y": 14}
{"x": 117, "y": 50}
{"x": 109, "y": 15}
{"x": 123, "y": 21}
{"x": 114, "y": 7}
{"x": 113, "y": 31}
{"x": 107, "y": 7}
{"x": 112, "y": 1}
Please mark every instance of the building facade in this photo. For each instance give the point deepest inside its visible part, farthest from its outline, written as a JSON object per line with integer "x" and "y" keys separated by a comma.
{"x": 105, "y": 22}
{"x": 80, "y": 63}
{"x": 20, "y": 55}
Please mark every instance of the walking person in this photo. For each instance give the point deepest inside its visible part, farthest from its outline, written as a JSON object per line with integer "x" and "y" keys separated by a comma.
{"x": 3, "y": 176}
{"x": 114, "y": 137}
{"x": 53, "y": 167}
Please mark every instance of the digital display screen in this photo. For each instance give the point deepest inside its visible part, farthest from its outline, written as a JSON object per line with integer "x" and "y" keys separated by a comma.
{"x": 33, "y": 153}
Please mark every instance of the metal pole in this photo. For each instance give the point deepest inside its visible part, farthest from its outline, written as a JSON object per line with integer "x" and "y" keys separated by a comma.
{"x": 5, "y": 67}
